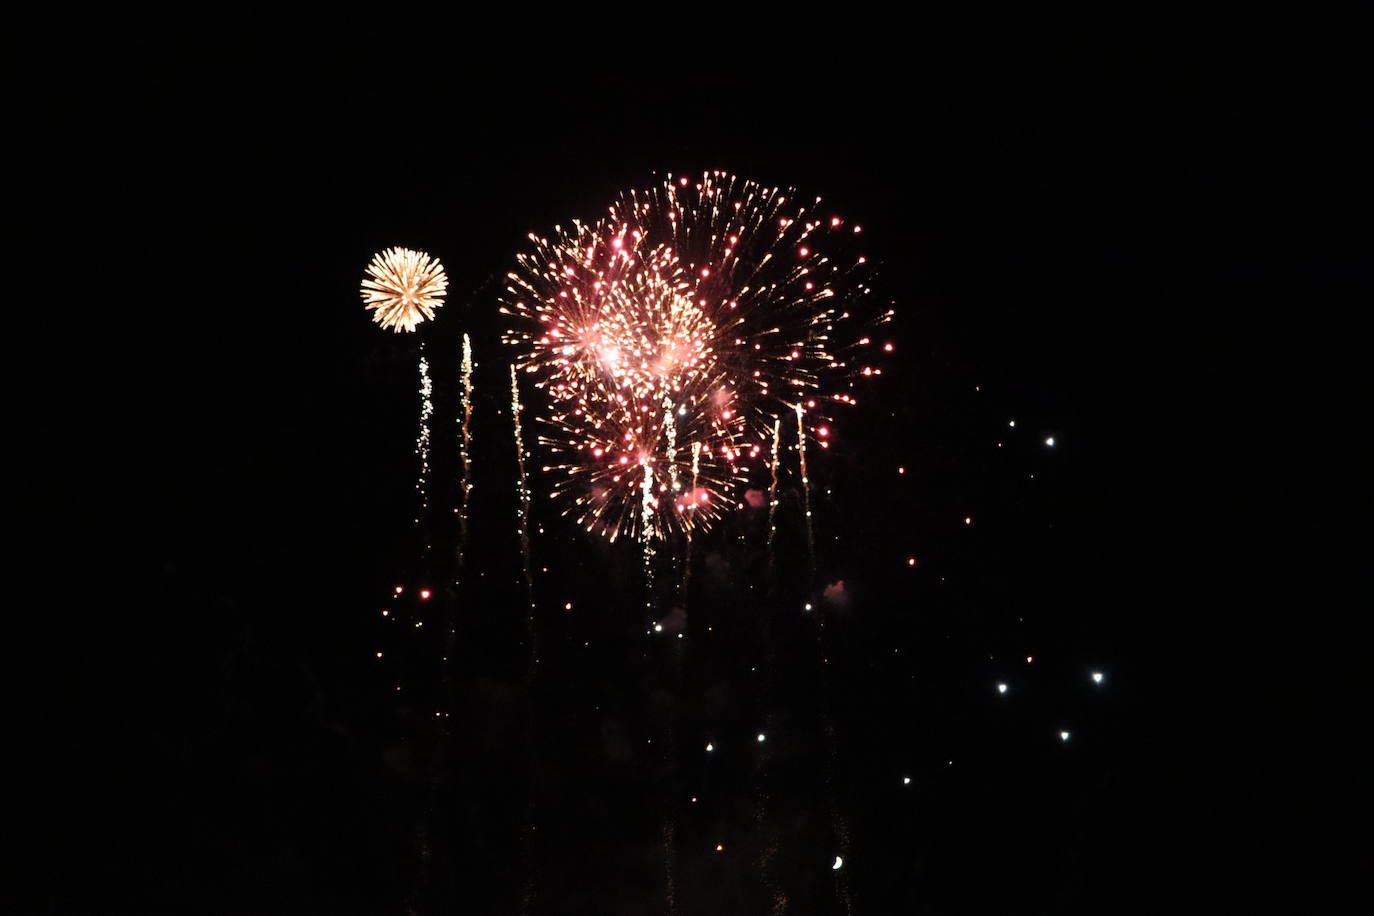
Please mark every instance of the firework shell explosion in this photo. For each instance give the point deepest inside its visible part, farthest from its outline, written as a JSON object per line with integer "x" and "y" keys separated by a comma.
{"x": 403, "y": 287}
{"x": 672, "y": 333}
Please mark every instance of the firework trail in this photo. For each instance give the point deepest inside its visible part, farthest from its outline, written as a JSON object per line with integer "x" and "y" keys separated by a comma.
{"x": 465, "y": 452}
{"x": 522, "y": 515}
{"x": 422, "y": 439}
{"x": 806, "y": 498}
{"x": 447, "y": 695}
{"x": 773, "y": 493}
{"x": 527, "y": 893}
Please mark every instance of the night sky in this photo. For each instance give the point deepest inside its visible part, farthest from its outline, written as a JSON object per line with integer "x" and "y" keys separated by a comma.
{"x": 1130, "y": 237}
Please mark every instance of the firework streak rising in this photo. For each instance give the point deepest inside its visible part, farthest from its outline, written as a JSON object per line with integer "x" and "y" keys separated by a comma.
{"x": 527, "y": 892}
{"x": 422, "y": 439}
{"x": 465, "y": 452}
{"x": 693, "y": 314}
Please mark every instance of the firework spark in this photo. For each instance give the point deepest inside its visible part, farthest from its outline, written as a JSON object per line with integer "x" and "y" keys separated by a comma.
{"x": 693, "y": 315}
{"x": 403, "y": 287}
{"x": 465, "y": 454}
{"x": 522, "y": 516}
{"x": 422, "y": 439}
{"x": 806, "y": 495}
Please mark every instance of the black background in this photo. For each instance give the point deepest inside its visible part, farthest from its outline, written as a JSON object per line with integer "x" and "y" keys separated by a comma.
{"x": 1135, "y": 233}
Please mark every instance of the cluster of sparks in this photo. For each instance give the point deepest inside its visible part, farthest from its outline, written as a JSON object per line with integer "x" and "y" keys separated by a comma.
{"x": 422, "y": 439}
{"x": 671, "y": 334}
{"x": 675, "y": 339}
{"x": 403, "y": 287}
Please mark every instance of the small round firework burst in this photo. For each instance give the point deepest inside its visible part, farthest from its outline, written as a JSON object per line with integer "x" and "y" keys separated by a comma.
{"x": 403, "y": 287}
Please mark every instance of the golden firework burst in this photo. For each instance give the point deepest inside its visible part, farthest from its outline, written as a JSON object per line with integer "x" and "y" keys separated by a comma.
{"x": 403, "y": 287}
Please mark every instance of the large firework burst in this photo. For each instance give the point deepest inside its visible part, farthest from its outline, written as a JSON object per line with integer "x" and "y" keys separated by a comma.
{"x": 403, "y": 287}
{"x": 672, "y": 334}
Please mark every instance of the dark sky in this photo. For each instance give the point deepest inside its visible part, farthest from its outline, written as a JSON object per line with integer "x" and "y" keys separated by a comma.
{"x": 1134, "y": 234}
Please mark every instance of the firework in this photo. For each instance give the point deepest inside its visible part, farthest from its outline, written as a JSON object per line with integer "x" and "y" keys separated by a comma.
{"x": 465, "y": 454}
{"x": 403, "y": 287}
{"x": 686, "y": 321}
{"x": 806, "y": 494}
{"x": 773, "y": 492}
{"x": 422, "y": 439}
